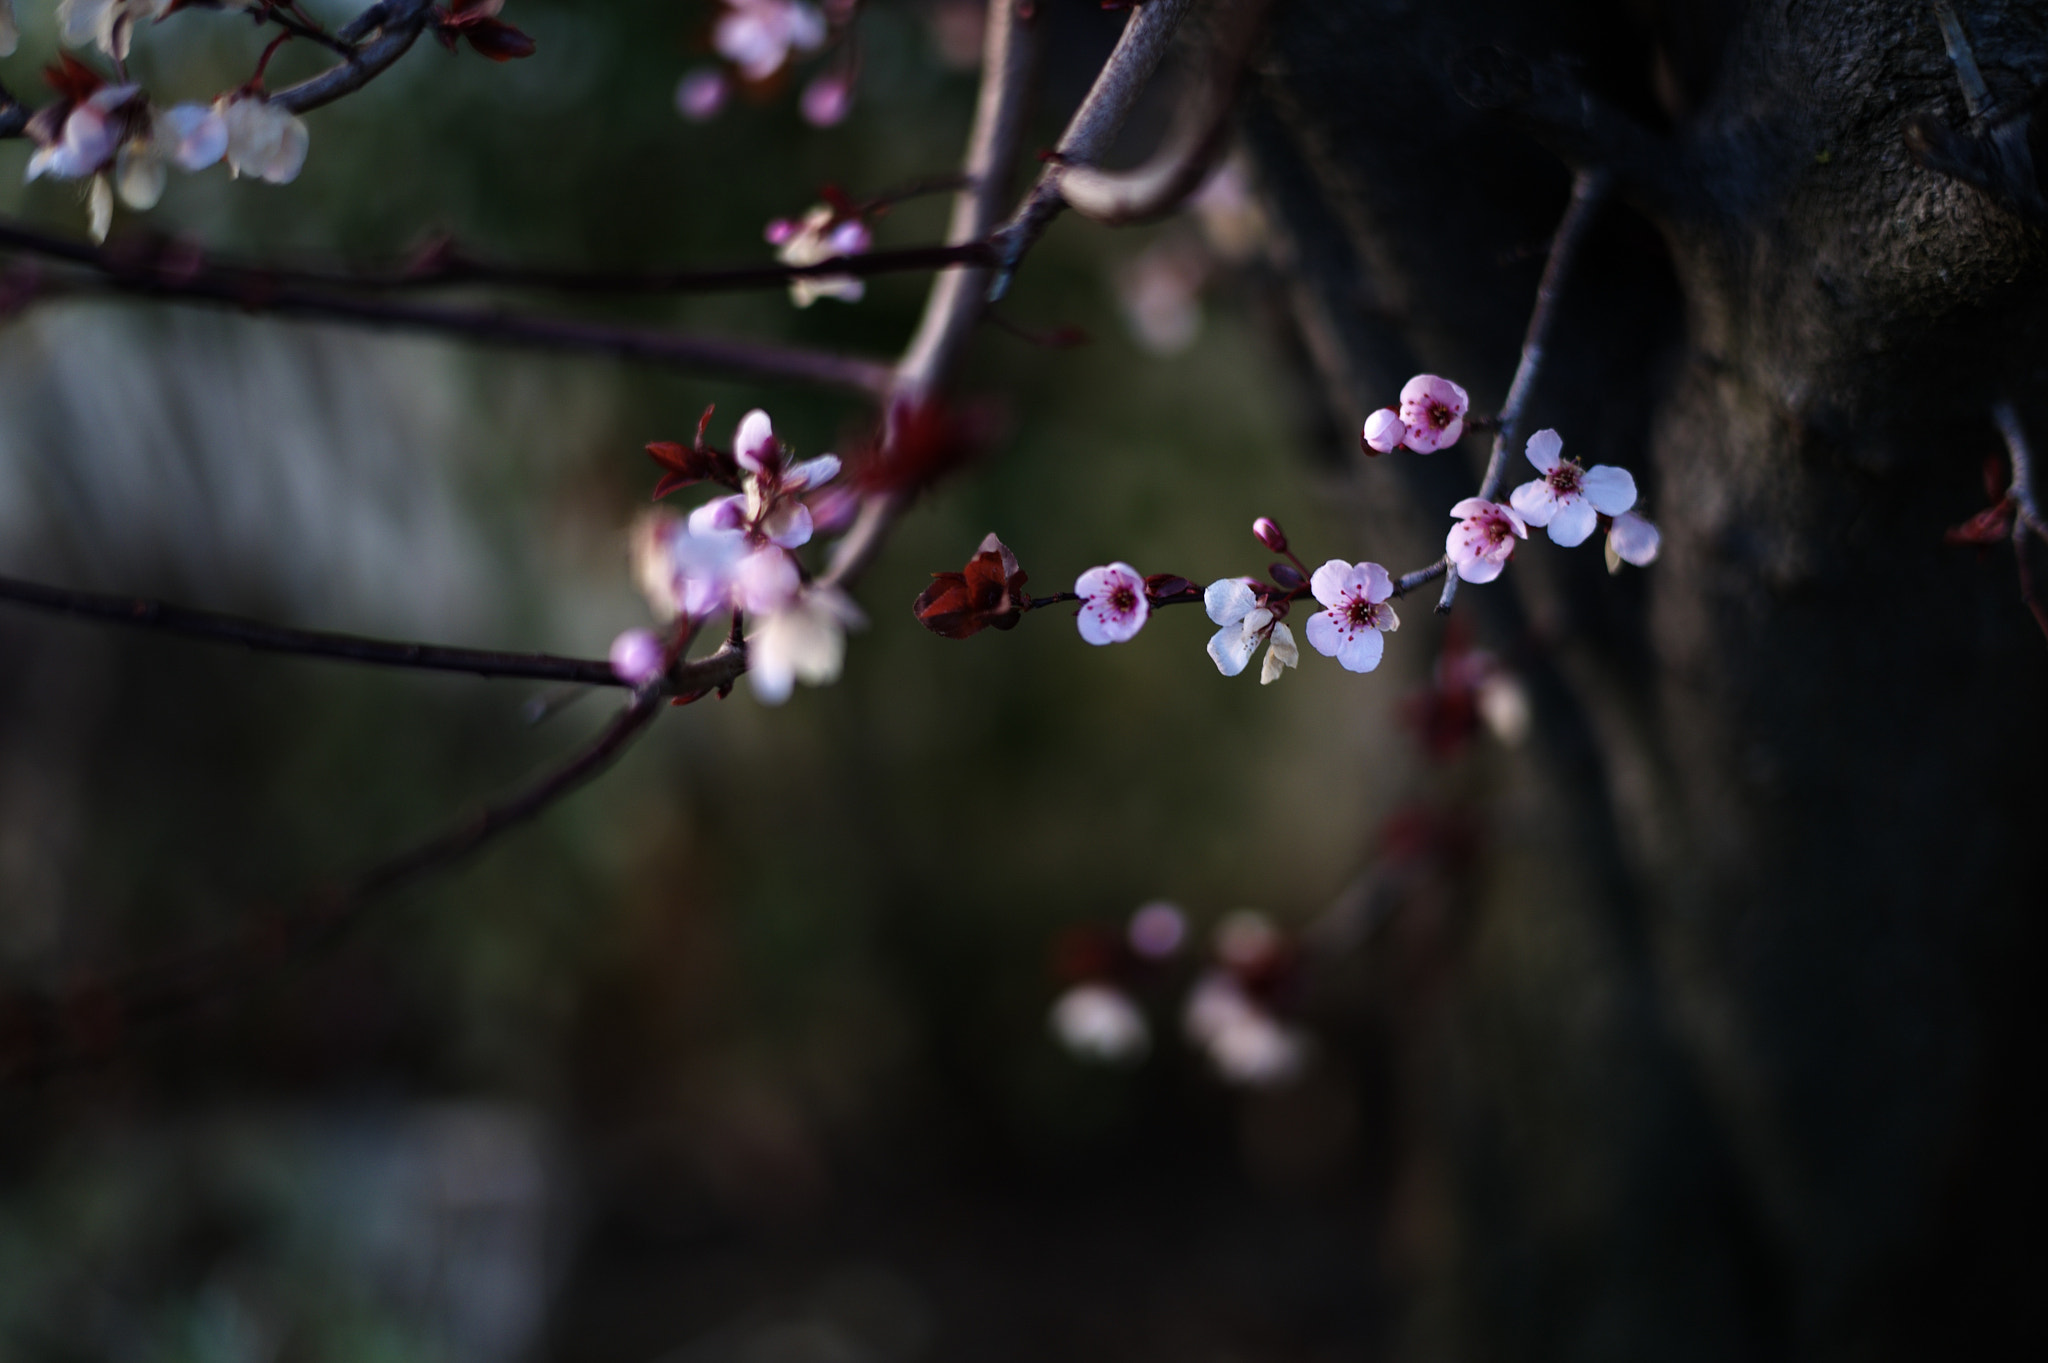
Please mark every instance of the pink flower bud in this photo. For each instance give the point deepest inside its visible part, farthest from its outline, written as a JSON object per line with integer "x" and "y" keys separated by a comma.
{"x": 1384, "y": 432}
{"x": 701, "y": 95}
{"x": 827, "y": 100}
{"x": 637, "y": 657}
{"x": 1270, "y": 534}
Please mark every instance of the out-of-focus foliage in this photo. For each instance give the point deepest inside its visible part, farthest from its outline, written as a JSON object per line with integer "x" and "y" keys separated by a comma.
{"x": 742, "y": 1053}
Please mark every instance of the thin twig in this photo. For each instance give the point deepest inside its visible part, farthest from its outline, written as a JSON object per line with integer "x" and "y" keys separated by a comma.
{"x": 212, "y": 627}
{"x": 173, "y": 263}
{"x": 401, "y": 22}
{"x": 716, "y": 355}
{"x": 40, "y": 1036}
{"x": 1589, "y": 189}
{"x": 1094, "y": 126}
{"x": 1976, "y": 94}
{"x": 1162, "y": 184}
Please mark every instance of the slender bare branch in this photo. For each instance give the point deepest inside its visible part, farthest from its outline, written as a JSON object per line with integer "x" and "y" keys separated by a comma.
{"x": 1589, "y": 190}
{"x": 212, "y": 627}
{"x": 1093, "y": 127}
{"x": 175, "y": 262}
{"x": 706, "y": 354}
{"x": 41, "y": 1035}
{"x": 1162, "y": 184}
{"x": 958, "y": 297}
{"x": 2026, "y": 512}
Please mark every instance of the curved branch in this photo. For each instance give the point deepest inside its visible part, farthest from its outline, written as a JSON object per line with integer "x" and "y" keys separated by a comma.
{"x": 38, "y": 1036}
{"x": 1118, "y": 197}
{"x": 1093, "y": 127}
{"x": 401, "y": 22}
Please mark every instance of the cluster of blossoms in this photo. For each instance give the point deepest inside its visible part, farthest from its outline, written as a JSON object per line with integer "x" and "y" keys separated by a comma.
{"x": 757, "y": 39}
{"x": 113, "y": 135}
{"x": 826, "y": 232}
{"x": 1229, "y": 1012}
{"x": 732, "y": 555}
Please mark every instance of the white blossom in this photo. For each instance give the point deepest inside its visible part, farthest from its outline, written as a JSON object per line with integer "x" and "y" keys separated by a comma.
{"x": 1351, "y": 629}
{"x": 106, "y": 24}
{"x": 1569, "y": 499}
{"x": 265, "y": 140}
{"x": 1099, "y": 1022}
{"x": 804, "y": 641}
{"x": 757, "y": 36}
{"x": 1113, "y": 604}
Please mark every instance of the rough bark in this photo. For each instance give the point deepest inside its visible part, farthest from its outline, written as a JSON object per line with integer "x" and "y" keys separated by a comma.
{"x": 1735, "y": 1064}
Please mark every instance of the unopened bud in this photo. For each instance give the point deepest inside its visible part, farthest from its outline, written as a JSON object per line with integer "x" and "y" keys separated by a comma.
{"x": 1384, "y": 432}
{"x": 1269, "y": 534}
{"x": 1286, "y": 575}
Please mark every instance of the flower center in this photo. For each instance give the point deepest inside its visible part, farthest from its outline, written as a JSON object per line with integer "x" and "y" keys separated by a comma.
{"x": 1123, "y": 600}
{"x": 1439, "y": 415}
{"x": 1360, "y": 613}
{"x": 1565, "y": 477}
{"x": 1498, "y": 530}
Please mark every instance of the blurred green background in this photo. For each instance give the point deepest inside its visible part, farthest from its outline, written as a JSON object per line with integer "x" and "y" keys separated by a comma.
{"x": 742, "y": 1053}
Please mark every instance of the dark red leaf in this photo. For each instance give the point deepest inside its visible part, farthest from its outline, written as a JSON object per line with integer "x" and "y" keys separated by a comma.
{"x": 1989, "y": 526}
{"x": 499, "y": 41}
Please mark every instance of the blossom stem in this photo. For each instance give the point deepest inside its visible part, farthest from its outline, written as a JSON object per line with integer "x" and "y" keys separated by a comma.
{"x": 2026, "y": 515}
{"x": 1589, "y": 190}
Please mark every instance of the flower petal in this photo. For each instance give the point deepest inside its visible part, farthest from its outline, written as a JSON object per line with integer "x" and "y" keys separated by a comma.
{"x": 811, "y": 473}
{"x": 753, "y": 444}
{"x": 1575, "y": 519}
{"x": 1228, "y": 600}
{"x": 1326, "y": 633}
{"x": 1535, "y": 500}
{"x": 788, "y": 525}
{"x": 1610, "y": 490}
{"x": 1634, "y": 539}
{"x": 1375, "y": 582}
{"x": 1471, "y": 506}
{"x": 1361, "y": 652}
{"x": 1230, "y": 648}
{"x": 1329, "y": 581}
{"x": 1480, "y": 569}
{"x": 1545, "y": 449}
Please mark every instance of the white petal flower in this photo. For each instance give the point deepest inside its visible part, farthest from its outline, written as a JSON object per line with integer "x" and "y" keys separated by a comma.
{"x": 265, "y": 140}
{"x": 758, "y": 36}
{"x": 1569, "y": 499}
{"x": 1245, "y": 1043}
{"x": 1100, "y": 1023}
{"x": 819, "y": 237}
{"x": 193, "y": 136}
{"x": 1632, "y": 539}
{"x": 805, "y": 642}
{"x": 1480, "y": 544}
{"x": 1281, "y": 653}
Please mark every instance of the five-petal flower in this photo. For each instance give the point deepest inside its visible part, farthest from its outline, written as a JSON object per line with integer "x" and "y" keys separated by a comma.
{"x": 1113, "y": 604}
{"x": 1350, "y": 629}
{"x": 1570, "y": 499}
{"x": 1480, "y": 544}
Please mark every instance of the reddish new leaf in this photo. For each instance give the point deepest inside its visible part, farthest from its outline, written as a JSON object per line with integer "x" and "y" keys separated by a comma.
{"x": 988, "y": 594}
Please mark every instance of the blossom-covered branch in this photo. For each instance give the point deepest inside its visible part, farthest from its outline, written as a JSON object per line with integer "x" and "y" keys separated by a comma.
{"x": 39, "y": 1035}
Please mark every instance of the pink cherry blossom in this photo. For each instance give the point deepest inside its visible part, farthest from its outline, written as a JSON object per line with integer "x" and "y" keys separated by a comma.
{"x": 1157, "y": 930}
{"x": 1569, "y": 499}
{"x": 1099, "y": 1022}
{"x": 636, "y": 657}
{"x": 766, "y": 581}
{"x": 1631, "y": 538}
{"x": 1481, "y": 543}
{"x": 1433, "y": 409}
{"x": 1384, "y": 431}
{"x": 701, "y": 94}
{"x": 1113, "y": 604}
{"x": 1351, "y": 629}
{"x": 757, "y": 36}
{"x": 1246, "y": 624}
{"x": 827, "y": 100}
{"x": 1244, "y": 1041}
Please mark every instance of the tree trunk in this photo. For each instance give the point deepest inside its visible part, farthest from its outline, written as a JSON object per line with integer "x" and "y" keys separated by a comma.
{"x": 1735, "y": 1060}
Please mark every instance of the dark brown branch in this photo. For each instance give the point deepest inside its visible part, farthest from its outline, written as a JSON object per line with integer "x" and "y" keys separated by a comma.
{"x": 1589, "y": 189}
{"x": 141, "y": 613}
{"x": 42, "y": 1035}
